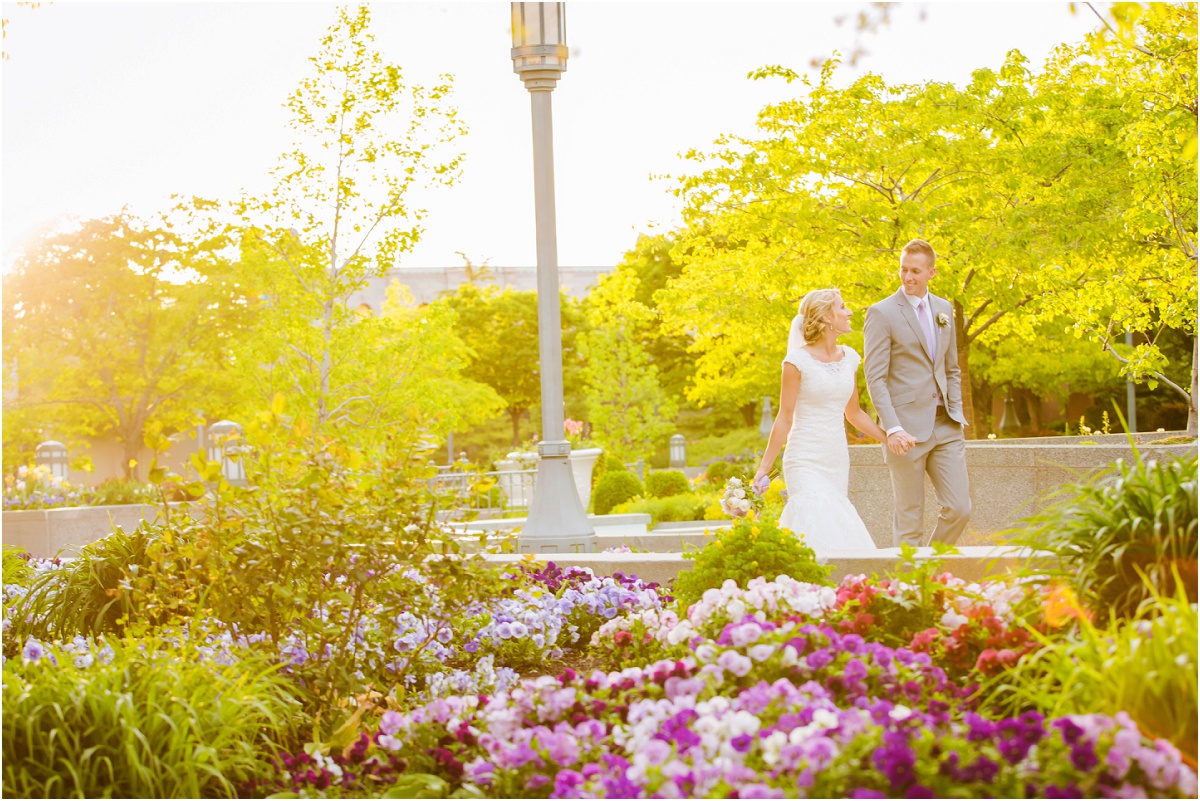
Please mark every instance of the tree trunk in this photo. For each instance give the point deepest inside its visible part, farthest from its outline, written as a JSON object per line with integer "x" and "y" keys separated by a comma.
{"x": 1191, "y": 423}
{"x": 515, "y": 416}
{"x": 129, "y": 450}
{"x": 964, "y": 367}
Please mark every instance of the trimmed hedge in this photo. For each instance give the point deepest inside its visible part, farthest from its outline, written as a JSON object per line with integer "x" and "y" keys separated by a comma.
{"x": 665, "y": 483}
{"x": 614, "y": 488}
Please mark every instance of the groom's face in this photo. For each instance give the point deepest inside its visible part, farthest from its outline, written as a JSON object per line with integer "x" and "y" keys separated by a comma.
{"x": 915, "y": 271}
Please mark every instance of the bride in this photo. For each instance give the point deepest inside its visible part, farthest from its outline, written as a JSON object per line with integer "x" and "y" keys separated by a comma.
{"x": 819, "y": 388}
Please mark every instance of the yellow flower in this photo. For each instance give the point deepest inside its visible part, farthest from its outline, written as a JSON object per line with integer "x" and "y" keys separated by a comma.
{"x": 1061, "y": 605}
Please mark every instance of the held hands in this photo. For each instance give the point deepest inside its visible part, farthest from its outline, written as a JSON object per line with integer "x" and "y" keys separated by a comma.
{"x": 900, "y": 441}
{"x": 760, "y": 483}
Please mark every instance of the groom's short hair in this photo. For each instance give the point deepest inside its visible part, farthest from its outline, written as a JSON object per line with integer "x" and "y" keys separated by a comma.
{"x": 919, "y": 246}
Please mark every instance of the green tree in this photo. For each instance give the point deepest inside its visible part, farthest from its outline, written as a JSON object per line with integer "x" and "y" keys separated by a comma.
{"x": 339, "y": 215}
{"x": 1018, "y": 180}
{"x": 119, "y": 328}
{"x": 501, "y": 326}
{"x": 628, "y": 408}
{"x": 1145, "y": 58}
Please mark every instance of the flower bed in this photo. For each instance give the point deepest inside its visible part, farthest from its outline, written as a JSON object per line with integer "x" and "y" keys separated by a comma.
{"x": 779, "y": 689}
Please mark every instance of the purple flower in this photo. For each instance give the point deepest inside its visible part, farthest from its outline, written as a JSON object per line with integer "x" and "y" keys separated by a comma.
{"x": 895, "y": 760}
{"x": 33, "y": 650}
{"x": 567, "y": 784}
{"x": 742, "y": 743}
{"x": 391, "y": 722}
{"x": 1083, "y": 756}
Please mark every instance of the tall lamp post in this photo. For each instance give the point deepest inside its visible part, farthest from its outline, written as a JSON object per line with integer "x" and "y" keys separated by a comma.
{"x": 556, "y": 522}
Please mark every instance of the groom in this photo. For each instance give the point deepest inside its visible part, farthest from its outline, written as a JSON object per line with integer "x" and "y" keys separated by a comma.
{"x": 911, "y": 365}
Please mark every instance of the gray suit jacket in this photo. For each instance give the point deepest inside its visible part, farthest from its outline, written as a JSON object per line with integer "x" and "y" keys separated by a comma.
{"x": 903, "y": 377}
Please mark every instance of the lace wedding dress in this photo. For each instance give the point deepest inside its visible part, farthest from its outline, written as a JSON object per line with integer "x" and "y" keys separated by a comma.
{"x": 816, "y": 461}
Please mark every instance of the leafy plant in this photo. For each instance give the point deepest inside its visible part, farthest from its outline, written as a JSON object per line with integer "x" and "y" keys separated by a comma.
{"x": 747, "y": 550}
{"x": 614, "y": 488}
{"x": 1145, "y": 666}
{"x": 90, "y": 595}
{"x": 17, "y": 569}
{"x": 1133, "y": 517}
{"x": 665, "y": 510}
{"x": 139, "y": 719}
{"x": 120, "y": 491}
{"x": 664, "y": 483}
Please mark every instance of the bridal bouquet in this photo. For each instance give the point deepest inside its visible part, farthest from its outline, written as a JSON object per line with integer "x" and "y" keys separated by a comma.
{"x": 740, "y": 499}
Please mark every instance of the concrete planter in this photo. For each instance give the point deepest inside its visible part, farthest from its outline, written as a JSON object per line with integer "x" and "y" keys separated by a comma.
{"x": 583, "y": 461}
{"x": 49, "y": 532}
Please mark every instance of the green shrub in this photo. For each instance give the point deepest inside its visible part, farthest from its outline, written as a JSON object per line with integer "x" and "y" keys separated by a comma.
{"x": 738, "y": 443}
{"x": 666, "y": 510}
{"x": 717, "y": 473}
{"x": 614, "y": 488}
{"x": 1130, "y": 518}
{"x": 154, "y": 721}
{"x": 606, "y": 463}
{"x": 665, "y": 483}
{"x": 747, "y": 550}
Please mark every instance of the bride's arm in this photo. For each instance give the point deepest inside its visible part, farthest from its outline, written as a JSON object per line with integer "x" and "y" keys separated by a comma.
{"x": 788, "y": 392}
{"x": 861, "y": 420}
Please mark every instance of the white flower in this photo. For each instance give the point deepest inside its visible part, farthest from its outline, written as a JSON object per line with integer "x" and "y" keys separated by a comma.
{"x": 943, "y": 320}
{"x": 953, "y": 620}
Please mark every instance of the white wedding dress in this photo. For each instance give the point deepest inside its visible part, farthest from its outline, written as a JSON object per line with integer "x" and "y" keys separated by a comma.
{"x": 816, "y": 462}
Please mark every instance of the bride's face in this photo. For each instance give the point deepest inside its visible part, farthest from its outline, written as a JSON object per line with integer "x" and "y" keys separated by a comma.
{"x": 840, "y": 317}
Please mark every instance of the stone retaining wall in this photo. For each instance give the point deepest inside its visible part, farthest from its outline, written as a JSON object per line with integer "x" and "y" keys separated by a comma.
{"x": 1008, "y": 482}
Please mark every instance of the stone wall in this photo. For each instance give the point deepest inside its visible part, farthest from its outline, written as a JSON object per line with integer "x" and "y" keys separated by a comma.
{"x": 1008, "y": 482}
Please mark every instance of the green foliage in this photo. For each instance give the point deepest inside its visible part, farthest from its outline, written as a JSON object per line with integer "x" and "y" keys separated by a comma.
{"x": 122, "y": 491}
{"x": 501, "y": 327}
{"x": 1130, "y": 518}
{"x": 669, "y": 509}
{"x": 153, "y": 721}
{"x": 90, "y": 595}
{"x": 339, "y": 216}
{"x": 613, "y": 488}
{"x": 747, "y": 550}
{"x": 160, "y": 306}
{"x": 16, "y": 566}
{"x": 629, "y": 410}
{"x": 1020, "y": 179}
{"x": 743, "y": 444}
{"x": 664, "y": 483}
{"x": 1145, "y": 666}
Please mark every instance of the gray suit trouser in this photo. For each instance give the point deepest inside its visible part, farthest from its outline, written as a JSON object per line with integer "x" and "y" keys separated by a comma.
{"x": 944, "y": 457}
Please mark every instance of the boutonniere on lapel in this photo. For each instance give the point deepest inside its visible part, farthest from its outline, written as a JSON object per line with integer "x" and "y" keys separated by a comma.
{"x": 943, "y": 320}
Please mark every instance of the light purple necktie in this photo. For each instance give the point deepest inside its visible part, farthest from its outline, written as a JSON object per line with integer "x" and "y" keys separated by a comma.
{"x": 927, "y": 325}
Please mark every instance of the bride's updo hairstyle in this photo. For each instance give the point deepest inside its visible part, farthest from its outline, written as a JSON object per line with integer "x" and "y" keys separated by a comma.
{"x": 814, "y": 310}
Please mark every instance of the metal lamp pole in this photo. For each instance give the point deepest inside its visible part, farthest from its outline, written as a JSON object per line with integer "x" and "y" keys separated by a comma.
{"x": 557, "y": 522}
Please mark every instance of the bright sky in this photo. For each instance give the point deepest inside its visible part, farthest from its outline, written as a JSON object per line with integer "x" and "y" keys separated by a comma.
{"x": 113, "y": 104}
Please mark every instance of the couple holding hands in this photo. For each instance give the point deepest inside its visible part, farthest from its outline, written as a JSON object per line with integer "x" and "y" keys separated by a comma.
{"x": 912, "y": 373}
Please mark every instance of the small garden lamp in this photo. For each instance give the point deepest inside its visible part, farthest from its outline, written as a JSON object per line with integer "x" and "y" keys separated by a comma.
{"x": 52, "y": 454}
{"x": 223, "y": 438}
{"x": 678, "y": 451}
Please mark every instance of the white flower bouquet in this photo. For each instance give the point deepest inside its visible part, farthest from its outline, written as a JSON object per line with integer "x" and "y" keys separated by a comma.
{"x": 740, "y": 499}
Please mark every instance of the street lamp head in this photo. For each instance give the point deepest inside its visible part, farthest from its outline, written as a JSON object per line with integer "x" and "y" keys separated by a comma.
{"x": 539, "y": 51}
